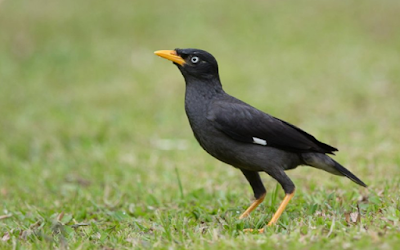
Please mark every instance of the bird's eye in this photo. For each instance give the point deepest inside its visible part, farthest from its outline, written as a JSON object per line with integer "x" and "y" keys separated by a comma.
{"x": 194, "y": 59}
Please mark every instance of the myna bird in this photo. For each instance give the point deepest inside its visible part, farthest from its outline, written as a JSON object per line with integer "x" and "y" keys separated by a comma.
{"x": 242, "y": 136}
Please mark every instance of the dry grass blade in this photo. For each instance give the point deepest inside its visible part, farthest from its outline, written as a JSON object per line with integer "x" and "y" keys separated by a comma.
{"x": 2, "y": 217}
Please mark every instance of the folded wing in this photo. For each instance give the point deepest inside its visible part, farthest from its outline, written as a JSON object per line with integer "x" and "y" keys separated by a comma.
{"x": 247, "y": 124}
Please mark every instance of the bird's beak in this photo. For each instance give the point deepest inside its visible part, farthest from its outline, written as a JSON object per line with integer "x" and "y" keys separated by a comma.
{"x": 170, "y": 55}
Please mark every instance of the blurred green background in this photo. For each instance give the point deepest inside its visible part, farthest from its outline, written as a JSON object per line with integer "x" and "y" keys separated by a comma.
{"x": 93, "y": 128}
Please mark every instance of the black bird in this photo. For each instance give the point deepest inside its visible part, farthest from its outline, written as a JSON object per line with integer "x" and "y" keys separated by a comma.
{"x": 242, "y": 136}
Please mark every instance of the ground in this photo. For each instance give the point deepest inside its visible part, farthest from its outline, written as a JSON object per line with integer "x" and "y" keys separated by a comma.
{"x": 96, "y": 151}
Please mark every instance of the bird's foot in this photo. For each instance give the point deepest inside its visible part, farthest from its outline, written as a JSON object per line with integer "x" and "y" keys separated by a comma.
{"x": 250, "y": 230}
{"x": 271, "y": 223}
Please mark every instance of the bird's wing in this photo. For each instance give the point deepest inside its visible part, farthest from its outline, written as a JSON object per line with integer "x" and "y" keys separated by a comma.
{"x": 246, "y": 124}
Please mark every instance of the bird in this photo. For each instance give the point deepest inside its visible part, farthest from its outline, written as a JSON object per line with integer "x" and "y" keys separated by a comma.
{"x": 245, "y": 137}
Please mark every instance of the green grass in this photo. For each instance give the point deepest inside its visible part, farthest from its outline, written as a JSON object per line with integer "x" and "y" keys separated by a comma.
{"x": 96, "y": 151}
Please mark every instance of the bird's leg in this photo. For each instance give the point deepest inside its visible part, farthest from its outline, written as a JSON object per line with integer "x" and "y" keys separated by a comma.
{"x": 253, "y": 206}
{"x": 277, "y": 214}
{"x": 258, "y": 189}
{"x": 281, "y": 208}
{"x": 289, "y": 189}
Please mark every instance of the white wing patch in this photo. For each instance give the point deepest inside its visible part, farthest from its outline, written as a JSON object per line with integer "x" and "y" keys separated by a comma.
{"x": 259, "y": 141}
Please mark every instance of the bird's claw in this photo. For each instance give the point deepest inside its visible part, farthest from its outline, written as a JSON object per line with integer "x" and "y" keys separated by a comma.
{"x": 250, "y": 230}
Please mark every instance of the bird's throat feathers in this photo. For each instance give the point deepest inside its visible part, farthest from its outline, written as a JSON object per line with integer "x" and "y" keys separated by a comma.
{"x": 199, "y": 95}
{"x": 204, "y": 89}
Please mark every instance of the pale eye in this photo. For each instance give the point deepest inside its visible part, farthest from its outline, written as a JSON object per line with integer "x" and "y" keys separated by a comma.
{"x": 194, "y": 59}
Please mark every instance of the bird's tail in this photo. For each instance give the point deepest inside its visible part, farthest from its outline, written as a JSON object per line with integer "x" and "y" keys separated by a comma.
{"x": 326, "y": 163}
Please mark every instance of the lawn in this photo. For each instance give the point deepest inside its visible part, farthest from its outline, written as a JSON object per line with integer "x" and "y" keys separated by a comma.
{"x": 96, "y": 151}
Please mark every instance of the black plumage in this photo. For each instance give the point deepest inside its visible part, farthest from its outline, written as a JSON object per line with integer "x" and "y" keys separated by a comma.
{"x": 243, "y": 136}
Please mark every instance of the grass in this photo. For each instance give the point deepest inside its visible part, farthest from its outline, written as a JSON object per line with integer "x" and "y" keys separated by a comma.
{"x": 96, "y": 151}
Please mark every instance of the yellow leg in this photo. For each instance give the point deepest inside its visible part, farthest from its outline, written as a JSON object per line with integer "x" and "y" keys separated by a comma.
{"x": 281, "y": 208}
{"x": 252, "y": 206}
{"x": 277, "y": 214}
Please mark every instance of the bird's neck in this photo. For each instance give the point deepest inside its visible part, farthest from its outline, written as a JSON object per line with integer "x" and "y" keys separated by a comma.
{"x": 199, "y": 95}
{"x": 203, "y": 89}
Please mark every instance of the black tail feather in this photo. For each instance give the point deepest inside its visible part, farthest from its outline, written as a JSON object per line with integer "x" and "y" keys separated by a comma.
{"x": 348, "y": 174}
{"x": 324, "y": 162}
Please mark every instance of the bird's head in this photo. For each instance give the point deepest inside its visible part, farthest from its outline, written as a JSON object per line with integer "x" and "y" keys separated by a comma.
{"x": 193, "y": 63}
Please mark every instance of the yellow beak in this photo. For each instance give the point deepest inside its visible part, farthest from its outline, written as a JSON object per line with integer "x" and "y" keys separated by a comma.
{"x": 170, "y": 55}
